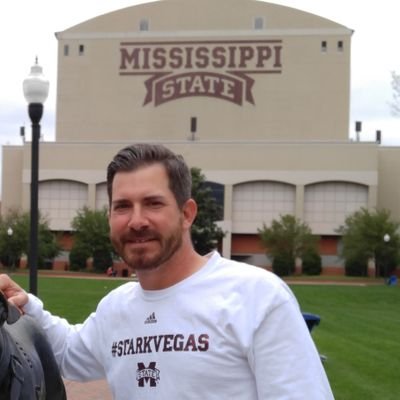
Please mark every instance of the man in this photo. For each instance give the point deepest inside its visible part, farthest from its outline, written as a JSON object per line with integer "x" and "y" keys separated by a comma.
{"x": 194, "y": 327}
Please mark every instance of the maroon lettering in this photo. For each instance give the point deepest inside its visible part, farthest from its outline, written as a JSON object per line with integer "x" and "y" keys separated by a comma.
{"x": 165, "y": 343}
{"x": 278, "y": 63}
{"x": 190, "y": 344}
{"x": 219, "y": 69}
{"x": 176, "y": 58}
{"x": 147, "y": 344}
{"x": 263, "y": 54}
{"x": 202, "y": 57}
{"x": 203, "y": 342}
{"x": 199, "y": 84}
{"x": 178, "y": 342}
{"x": 160, "y": 60}
{"x": 246, "y": 53}
{"x": 157, "y": 341}
{"x": 232, "y": 51}
{"x": 131, "y": 57}
{"x": 139, "y": 342}
{"x": 219, "y": 57}
{"x": 126, "y": 346}
{"x": 168, "y": 339}
{"x": 188, "y": 52}
{"x": 120, "y": 348}
{"x": 146, "y": 55}
{"x": 131, "y": 349}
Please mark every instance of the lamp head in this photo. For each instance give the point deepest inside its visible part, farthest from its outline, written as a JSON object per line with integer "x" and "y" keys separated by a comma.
{"x": 386, "y": 237}
{"x": 35, "y": 86}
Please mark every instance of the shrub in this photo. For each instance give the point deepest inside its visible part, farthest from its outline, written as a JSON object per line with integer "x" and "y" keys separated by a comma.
{"x": 102, "y": 259}
{"x": 312, "y": 263}
{"x": 356, "y": 267}
{"x": 78, "y": 257}
{"x": 283, "y": 264}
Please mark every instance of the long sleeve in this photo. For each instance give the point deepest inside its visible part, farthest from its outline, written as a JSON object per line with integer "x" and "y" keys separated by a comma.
{"x": 74, "y": 357}
{"x": 284, "y": 358}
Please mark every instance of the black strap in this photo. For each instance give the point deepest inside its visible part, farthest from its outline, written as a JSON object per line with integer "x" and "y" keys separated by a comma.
{"x": 8, "y": 312}
{"x": 4, "y": 356}
{"x": 17, "y": 378}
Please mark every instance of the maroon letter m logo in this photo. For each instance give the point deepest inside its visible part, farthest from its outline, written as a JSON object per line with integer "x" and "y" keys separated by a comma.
{"x": 149, "y": 375}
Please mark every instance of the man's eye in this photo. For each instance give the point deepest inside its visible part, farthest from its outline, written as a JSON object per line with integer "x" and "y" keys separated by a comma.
{"x": 155, "y": 203}
{"x": 119, "y": 207}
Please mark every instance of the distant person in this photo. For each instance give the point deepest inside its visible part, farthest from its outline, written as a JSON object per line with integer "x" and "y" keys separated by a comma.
{"x": 111, "y": 272}
{"x": 193, "y": 326}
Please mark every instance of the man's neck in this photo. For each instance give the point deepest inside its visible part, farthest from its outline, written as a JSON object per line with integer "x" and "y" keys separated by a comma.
{"x": 176, "y": 269}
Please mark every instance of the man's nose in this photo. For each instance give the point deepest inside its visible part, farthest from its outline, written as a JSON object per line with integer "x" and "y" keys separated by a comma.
{"x": 138, "y": 219}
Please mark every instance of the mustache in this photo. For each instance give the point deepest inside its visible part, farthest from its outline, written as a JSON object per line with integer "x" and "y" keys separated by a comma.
{"x": 133, "y": 235}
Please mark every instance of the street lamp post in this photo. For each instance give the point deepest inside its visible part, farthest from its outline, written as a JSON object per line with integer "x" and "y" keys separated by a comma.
{"x": 36, "y": 89}
{"x": 386, "y": 239}
{"x": 10, "y": 232}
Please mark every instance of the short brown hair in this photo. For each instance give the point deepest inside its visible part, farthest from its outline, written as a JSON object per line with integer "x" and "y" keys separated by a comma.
{"x": 138, "y": 155}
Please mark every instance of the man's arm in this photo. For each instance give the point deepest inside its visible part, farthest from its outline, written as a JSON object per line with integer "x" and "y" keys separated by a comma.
{"x": 285, "y": 360}
{"x": 73, "y": 357}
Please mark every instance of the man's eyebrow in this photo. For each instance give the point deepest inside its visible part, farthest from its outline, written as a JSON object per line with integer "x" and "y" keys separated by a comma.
{"x": 119, "y": 201}
{"x": 155, "y": 197}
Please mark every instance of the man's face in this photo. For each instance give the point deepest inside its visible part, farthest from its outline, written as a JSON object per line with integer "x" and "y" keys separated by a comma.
{"x": 146, "y": 225}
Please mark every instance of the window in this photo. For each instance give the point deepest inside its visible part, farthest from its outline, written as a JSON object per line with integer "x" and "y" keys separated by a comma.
{"x": 340, "y": 45}
{"x": 101, "y": 196}
{"x": 324, "y": 46}
{"x": 262, "y": 201}
{"x": 218, "y": 192}
{"x": 81, "y": 49}
{"x": 66, "y": 50}
{"x": 59, "y": 201}
{"x": 258, "y": 23}
{"x": 327, "y": 204}
{"x": 193, "y": 128}
{"x": 144, "y": 25}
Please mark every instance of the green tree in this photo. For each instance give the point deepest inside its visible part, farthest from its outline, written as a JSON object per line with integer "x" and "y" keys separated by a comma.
{"x": 92, "y": 235}
{"x": 14, "y": 232}
{"x": 78, "y": 257}
{"x": 14, "y": 239}
{"x": 285, "y": 240}
{"x": 205, "y": 232}
{"x": 48, "y": 246}
{"x": 363, "y": 235}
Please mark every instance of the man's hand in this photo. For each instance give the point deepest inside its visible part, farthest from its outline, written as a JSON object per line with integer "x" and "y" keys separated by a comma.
{"x": 13, "y": 292}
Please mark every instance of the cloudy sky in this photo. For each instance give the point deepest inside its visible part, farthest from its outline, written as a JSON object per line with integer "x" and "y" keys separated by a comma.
{"x": 27, "y": 30}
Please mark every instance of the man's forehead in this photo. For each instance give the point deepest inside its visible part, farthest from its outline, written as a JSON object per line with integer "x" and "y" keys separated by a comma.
{"x": 155, "y": 170}
{"x": 151, "y": 181}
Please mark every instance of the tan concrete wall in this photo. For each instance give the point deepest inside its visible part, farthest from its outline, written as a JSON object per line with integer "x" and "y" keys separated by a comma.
{"x": 295, "y": 131}
{"x": 389, "y": 180}
{"x": 299, "y": 100}
{"x": 11, "y": 178}
{"x": 223, "y": 162}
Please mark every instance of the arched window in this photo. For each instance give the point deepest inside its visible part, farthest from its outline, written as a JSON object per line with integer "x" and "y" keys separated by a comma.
{"x": 59, "y": 201}
{"x": 255, "y": 203}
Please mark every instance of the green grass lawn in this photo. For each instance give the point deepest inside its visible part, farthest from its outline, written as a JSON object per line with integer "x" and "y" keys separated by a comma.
{"x": 359, "y": 330}
{"x": 360, "y": 335}
{"x": 71, "y": 298}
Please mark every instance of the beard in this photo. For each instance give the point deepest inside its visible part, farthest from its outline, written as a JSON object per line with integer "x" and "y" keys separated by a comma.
{"x": 145, "y": 257}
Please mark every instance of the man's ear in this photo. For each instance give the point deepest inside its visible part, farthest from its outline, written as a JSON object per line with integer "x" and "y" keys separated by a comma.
{"x": 189, "y": 211}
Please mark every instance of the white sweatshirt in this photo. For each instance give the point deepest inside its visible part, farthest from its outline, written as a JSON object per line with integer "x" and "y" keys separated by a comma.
{"x": 230, "y": 331}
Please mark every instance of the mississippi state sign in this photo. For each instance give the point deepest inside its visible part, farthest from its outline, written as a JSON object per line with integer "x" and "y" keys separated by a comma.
{"x": 220, "y": 69}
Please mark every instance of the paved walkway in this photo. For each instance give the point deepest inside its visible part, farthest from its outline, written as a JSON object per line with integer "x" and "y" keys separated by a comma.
{"x": 96, "y": 390}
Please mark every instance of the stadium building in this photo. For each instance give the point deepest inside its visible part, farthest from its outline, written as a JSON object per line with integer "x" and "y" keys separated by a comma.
{"x": 255, "y": 94}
